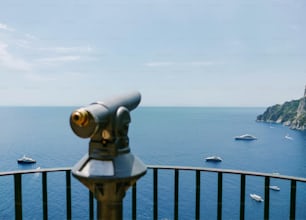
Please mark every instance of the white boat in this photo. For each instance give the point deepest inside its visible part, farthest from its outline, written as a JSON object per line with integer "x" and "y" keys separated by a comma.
{"x": 256, "y": 197}
{"x": 214, "y": 159}
{"x": 276, "y": 188}
{"x": 288, "y": 137}
{"x": 247, "y": 137}
{"x": 26, "y": 159}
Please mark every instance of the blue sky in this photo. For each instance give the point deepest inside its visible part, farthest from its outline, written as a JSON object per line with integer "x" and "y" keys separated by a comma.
{"x": 175, "y": 52}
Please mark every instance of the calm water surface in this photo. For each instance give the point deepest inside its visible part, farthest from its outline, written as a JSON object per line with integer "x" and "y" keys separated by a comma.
{"x": 162, "y": 136}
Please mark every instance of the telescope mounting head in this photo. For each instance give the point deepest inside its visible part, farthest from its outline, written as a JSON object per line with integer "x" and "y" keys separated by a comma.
{"x": 106, "y": 124}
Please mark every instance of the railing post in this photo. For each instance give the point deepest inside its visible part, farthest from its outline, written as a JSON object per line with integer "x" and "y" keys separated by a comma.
{"x": 198, "y": 194}
{"x": 45, "y": 195}
{"x": 134, "y": 201}
{"x": 292, "y": 199}
{"x": 267, "y": 197}
{"x": 242, "y": 196}
{"x": 68, "y": 193}
{"x": 219, "y": 213}
{"x": 18, "y": 196}
{"x": 176, "y": 193}
{"x": 91, "y": 206}
{"x": 155, "y": 194}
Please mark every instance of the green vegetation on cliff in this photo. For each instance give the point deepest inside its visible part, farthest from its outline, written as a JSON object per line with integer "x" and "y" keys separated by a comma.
{"x": 291, "y": 113}
{"x": 280, "y": 113}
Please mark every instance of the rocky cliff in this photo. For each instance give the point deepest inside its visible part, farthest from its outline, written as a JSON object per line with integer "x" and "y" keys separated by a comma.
{"x": 292, "y": 114}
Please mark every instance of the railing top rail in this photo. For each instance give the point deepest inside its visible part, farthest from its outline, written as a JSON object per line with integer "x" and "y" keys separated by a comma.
{"x": 228, "y": 171}
{"x": 170, "y": 167}
{"x": 61, "y": 169}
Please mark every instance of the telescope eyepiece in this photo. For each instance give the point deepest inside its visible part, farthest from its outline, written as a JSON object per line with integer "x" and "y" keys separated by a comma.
{"x": 80, "y": 117}
{"x": 103, "y": 119}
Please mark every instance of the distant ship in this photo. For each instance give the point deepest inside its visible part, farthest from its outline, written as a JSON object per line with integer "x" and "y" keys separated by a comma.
{"x": 288, "y": 137}
{"x": 214, "y": 159}
{"x": 247, "y": 137}
{"x": 256, "y": 197}
{"x": 276, "y": 188}
{"x": 26, "y": 160}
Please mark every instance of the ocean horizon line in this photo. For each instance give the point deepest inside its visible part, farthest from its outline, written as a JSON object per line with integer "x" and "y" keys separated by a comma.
{"x": 140, "y": 106}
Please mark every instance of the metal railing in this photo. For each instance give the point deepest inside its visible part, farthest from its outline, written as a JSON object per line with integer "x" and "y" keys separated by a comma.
{"x": 18, "y": 189}
{"x": 220, "y": 172}
{"x": 155, "y": 179}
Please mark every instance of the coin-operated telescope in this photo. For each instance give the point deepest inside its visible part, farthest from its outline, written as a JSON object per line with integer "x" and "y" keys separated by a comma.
{"x": 109, "y": 168}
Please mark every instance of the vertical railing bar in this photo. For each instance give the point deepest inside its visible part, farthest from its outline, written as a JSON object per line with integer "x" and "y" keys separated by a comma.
{"x": 91, "y": 205}
{"x": 219, "y": 213}
{"x": 134, "y": 202}
{"x": 18, "y": 196}
{"x": 198, "y": 194}
{"x": 68, "y": 193}
{"x": 155, "y": 193}
{"x": 45, "y": 195}
{"x": 292, "y": 199}
{"x": 176, "y": 193}
{"x": 267, "y": 198}
{"x": 242, "y": 196}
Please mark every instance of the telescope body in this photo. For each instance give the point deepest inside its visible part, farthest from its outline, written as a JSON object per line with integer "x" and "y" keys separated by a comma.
{"x": 109, "y": 168}
{"x": 87, "y": 121}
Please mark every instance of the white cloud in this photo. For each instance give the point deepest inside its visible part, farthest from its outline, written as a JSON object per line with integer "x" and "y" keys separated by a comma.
{"x": 8, "y": 60}
{"x": 188, "y": 64}
{"x": 31, "y": 37}
{"x": 67, "y": 49}
{"x": 26, "y": 52}
{"x": 39, "y": 77}
{"x": 157, "y": 64}
{"x": 200, "y": 63}
{"x": 59, "y": 59}
{"x": 5, "y": 27}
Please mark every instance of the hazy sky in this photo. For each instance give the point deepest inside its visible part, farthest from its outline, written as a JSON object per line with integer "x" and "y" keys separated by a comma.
{"x": 175, "y": 52}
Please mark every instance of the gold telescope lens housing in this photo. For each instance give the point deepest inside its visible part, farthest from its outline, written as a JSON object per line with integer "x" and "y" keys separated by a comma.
{"x": 80, "y": 117}
{"x": 95, "y": 119}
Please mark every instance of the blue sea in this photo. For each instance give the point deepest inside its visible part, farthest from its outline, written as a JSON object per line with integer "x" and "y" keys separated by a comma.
{"x": 181, "y": 136}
